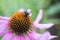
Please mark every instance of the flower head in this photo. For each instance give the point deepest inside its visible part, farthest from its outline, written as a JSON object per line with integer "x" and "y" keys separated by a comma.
{"x": 20, "y": 27}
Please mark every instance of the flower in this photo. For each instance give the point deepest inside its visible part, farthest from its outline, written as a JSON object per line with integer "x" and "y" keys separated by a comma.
{"x": 20, "y": 27}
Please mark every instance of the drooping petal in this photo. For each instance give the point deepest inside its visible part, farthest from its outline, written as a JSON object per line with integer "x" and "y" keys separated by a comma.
{"x": 30, "y": 37}
{"x": 3, "y": 21}
{"x": 39, "y": 17}
{"x": 19, "y": 37}
{"x": 43, "y": 26}
{"x": 3, "y": 27}
{"x": 3, "y": 30}
{"x": 22, "y": 37}
{"x": 2, "y": 33}
{"x": 8, "y": 36}
{"x": 16, "y": 38}
{"x": 33, "y": 35}
{"x": 4, "y": 18}
{"x": 51, "y": 37}
{"x": 27, "y": 37}
{"x": 46, "y": 36}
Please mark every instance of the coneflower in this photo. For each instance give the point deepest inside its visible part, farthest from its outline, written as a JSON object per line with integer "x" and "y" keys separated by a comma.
{"x": 20, "y": 27}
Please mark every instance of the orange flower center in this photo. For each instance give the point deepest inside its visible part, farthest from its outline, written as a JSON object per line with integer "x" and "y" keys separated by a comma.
{"x": 19, "y": 23}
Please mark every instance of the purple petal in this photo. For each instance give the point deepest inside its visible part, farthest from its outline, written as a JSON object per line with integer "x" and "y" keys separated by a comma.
{"x": 19, "y": 37}
{"x": 4, "y": 18}
{"x": 16, "y": 38}
{"x": 39, "y": 17}
{"x": 2, "y": 33}
{"x": 43, "y": 26}
{"x": 3, "y": 21}
{"x": 44, "y": 36}
{"x": 8, "y": 36}
{"x": 27, "y": 37}
{"x": 33, "y": 35}
{"x": 51, "y": 37}
{"x": 3, "y": 27}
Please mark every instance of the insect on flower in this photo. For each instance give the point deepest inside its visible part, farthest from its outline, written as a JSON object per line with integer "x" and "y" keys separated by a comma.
{"x": 20, "y": 27}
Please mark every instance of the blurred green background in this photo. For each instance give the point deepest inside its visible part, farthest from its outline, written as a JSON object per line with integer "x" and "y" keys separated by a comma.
{"x": 51, "y": 9}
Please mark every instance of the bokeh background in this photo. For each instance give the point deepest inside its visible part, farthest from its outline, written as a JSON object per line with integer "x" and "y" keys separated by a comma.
{"x": 51, "y": 11}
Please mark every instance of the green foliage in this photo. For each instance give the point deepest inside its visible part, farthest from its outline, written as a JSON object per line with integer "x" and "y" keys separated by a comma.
{"x": 8, "y": 7}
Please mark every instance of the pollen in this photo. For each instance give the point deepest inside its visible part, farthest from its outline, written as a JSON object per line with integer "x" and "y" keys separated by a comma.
{"x": 19, "y": 23}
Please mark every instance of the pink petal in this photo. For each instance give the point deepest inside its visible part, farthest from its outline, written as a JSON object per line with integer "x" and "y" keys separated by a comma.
{"x": 3, "y": 21}
{"x": 51, "y": 37}
{"x": 39, "y": 17}
{"x": 19, "y": 37}
{"x": 2, "y": 33}
{"x": 8, "y": 36}
{"x": 4, "y": 18}
{"x": 33, "y": 35}
{"x": 44, "y": 36}
{"x": 3, "y": 26}
{"x": 27, "y": 37}
{"x": 43, "y": 26}
{"x": 16, "y": 38}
